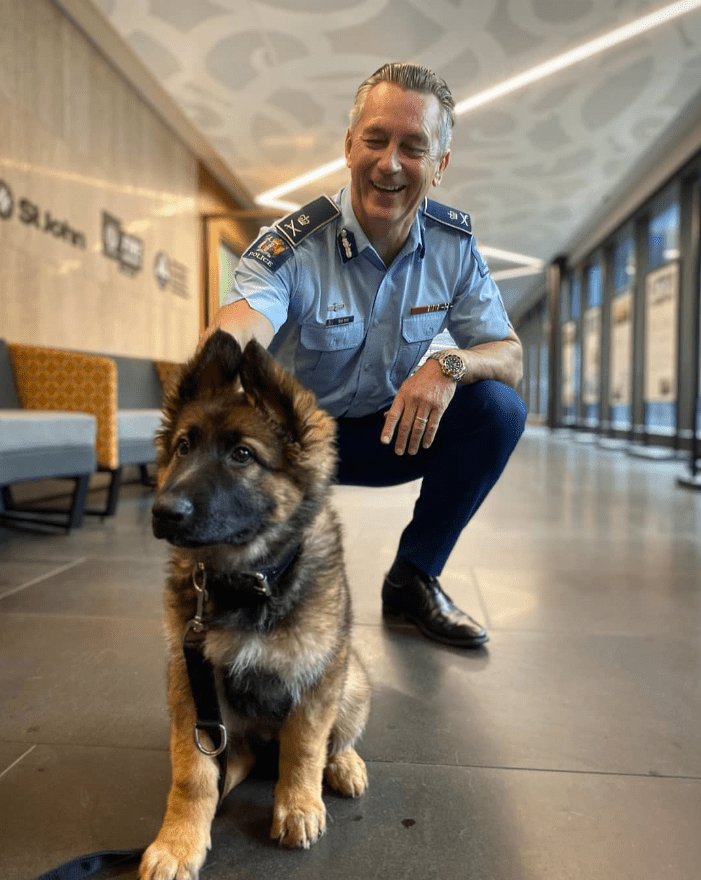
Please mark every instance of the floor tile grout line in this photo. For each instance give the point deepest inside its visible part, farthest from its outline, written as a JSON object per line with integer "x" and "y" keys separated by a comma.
{"x": 616, "y": 774}
{"x": 623, "y": 774}
{"x": 43, "y": 577}
{"x": 17, "y": 761}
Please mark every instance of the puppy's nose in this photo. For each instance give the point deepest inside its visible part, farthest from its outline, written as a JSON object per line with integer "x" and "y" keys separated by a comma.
{"x": 172, "y": 508}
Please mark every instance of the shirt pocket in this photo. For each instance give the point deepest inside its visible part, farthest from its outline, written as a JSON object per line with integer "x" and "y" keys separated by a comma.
{"x": 326, "y": 355}
{"x": 418, "y": 331}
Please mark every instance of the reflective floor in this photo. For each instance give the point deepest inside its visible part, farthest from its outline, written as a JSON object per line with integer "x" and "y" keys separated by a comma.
{"x": 569, "y": 748}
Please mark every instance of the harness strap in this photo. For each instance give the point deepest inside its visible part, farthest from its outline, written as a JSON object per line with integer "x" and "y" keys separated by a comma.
{"x": 200, "y": 672}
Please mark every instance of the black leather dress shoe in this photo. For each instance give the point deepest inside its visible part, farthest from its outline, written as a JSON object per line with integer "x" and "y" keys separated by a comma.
{"x": 421, "y": 601}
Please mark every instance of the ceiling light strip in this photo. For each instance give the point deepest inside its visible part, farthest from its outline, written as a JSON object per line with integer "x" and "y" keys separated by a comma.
{"x": 509, "y": 256}
{"x": 298, "y": 182}
{"x": 506, "y": 274}
{"x": 580, "y": 53}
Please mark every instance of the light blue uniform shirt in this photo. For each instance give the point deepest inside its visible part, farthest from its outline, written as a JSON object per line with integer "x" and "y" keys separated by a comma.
{"x": 350, "y": 328}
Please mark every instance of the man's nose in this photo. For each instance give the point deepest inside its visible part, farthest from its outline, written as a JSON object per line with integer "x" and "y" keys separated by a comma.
{"x": 389, "y": 160}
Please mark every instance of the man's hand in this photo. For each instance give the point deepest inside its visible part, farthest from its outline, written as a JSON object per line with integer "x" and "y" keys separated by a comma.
{"x": 417, "y": 409}
{"x": 242, "y": 322}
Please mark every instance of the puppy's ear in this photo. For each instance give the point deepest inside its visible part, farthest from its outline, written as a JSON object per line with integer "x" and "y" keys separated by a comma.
{"x": 212, "y": 368}
{"x": 275, "y": 391}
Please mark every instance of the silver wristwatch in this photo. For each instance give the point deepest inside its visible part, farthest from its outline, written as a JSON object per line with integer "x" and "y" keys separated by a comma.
{"x": 451, "y": 364}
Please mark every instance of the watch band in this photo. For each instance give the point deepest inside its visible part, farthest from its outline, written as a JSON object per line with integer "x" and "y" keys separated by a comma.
{"x": 451, "y": 363}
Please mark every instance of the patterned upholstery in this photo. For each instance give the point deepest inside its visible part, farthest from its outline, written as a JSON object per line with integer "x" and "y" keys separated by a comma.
{"x": 168, "y": 371}
{"x": 53, "y": 379}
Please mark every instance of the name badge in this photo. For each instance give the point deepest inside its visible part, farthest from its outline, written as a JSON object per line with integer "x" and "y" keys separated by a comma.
{"x": 334, "y": 322}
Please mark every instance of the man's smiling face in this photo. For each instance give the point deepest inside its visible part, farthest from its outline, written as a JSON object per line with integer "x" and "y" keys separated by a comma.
{"x": 394, "y": 158}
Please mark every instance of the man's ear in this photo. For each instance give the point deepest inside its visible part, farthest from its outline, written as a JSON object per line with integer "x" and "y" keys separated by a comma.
{"x": 442, "y": 165}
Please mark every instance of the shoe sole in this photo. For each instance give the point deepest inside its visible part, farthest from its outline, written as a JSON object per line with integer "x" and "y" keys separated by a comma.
{"x": 403, "y": 617}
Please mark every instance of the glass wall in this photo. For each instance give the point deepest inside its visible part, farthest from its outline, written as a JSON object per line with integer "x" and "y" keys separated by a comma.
{"x": 591, "y": 346}
{"x": 661, "y": 315}
{"x": 534, "y": 334}
{"x": 569, "y": 312}
{"x": 621, "y": 334}
{"x": 628, "y": 326}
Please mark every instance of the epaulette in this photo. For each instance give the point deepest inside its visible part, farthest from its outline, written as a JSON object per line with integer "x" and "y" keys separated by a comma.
{"x": 298, "y": 225}
{"x": 448, "y": 216}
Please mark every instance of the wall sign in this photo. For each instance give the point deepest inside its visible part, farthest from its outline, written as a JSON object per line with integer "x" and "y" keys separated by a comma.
{"x": 118, "y": 245}
{"x": 31, "y": 214}
{"x": 171, "y": 273}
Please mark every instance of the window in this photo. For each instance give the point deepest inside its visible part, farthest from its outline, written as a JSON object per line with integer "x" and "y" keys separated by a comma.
{"x": 663, "y": 230}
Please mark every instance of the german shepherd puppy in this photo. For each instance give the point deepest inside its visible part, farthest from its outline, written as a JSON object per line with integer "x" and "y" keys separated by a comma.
{"x": 246, "y": 460}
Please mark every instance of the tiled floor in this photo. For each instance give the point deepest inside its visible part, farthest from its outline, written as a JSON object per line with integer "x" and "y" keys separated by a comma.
{"x": 569, "y": 748}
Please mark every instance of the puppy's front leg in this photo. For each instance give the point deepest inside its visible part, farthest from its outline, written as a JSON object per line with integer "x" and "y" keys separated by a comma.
{"x": 299, "y": 816}
{"x": 179, "y": 850}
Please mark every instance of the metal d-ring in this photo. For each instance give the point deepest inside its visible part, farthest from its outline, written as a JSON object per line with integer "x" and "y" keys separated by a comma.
{"x": 212, "y": 752}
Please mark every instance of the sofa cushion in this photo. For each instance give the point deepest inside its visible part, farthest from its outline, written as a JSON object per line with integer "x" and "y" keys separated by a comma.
{"x": 136, "y": 429}
{"x": 35, "y": 444}
{"x": 138, "y": 424}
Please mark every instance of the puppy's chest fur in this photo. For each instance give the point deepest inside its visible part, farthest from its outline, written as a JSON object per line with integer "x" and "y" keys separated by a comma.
{"x": 263, "y": 676}
{"x": 254, "y": 693}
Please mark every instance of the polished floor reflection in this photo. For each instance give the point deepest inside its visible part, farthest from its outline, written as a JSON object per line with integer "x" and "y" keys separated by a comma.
{"x": 570, "y": 747}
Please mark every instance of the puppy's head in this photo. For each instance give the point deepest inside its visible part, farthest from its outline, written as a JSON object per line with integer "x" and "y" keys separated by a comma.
{"x": 243, "y": 446}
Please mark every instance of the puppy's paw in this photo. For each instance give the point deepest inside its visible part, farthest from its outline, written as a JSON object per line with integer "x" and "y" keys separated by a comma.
{"x": 298, "y": 822}
{"x": 346, "y": 773}
{"x": 173, "y": 858}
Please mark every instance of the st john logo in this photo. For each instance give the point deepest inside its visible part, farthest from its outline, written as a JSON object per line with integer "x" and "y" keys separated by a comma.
{"x": 29, "y": 213}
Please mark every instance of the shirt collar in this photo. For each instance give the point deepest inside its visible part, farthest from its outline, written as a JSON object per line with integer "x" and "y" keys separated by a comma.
{"x": 415, "y": 241}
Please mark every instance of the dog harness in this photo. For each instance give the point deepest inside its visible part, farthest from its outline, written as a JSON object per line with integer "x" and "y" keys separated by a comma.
{"x": 200, "y": 670}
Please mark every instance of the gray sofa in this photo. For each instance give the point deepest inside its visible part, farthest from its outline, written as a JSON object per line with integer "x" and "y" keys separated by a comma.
{"x": 43, "y": 443}
{"x": 47, "y": 393}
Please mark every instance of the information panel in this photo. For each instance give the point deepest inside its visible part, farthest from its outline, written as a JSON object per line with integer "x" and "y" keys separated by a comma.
{"x": 569, "y": 369}
{"x": 621, "y": 357}
{"x": 591, "y": 359}
{"x": 661, "y": 307}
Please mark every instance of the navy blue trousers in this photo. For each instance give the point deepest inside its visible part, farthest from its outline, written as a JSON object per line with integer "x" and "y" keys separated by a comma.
{"x": 475, "y": 437}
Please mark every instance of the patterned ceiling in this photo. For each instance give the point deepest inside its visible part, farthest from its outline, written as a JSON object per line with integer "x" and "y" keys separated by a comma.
{"x": 269, "y": 84}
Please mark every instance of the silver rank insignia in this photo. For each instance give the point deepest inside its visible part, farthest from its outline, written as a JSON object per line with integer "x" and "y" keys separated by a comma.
{"x": 302, "y": 223}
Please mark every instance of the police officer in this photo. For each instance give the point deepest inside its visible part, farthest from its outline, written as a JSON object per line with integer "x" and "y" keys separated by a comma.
{"x": 348, "y": 293}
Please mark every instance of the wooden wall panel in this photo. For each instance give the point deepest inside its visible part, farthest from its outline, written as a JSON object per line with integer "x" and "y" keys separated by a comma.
{"x": 77, "y": 141}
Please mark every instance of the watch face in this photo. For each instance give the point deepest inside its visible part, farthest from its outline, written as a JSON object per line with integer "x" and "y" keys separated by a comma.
{"x": 453, "y": 366}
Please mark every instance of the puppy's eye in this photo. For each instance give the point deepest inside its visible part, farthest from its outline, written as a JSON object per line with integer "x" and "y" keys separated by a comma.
{"x": 241, "y": 454}
{"x": 182, "y": 447}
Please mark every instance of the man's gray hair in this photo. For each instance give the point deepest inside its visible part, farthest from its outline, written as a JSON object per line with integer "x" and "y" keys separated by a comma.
{"x": 413, "y": 78}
